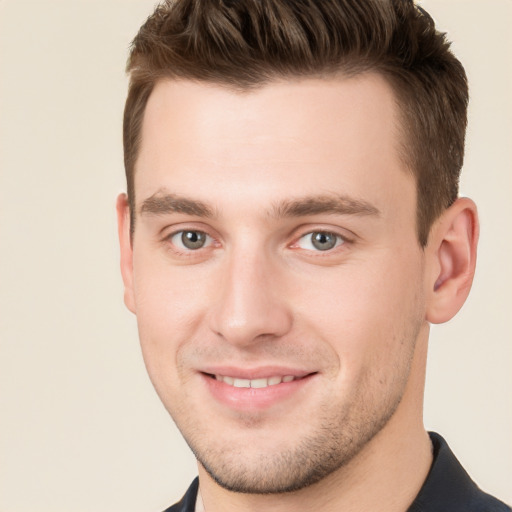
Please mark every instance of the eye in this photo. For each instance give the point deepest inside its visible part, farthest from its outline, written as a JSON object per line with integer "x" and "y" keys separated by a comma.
{"x": 320, "y": 241}
{"x": 190, "y": 240}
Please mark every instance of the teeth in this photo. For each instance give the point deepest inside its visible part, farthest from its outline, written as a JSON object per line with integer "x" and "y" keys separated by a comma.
{"x": 259, "y": 383}
{"x": 254, "y": 383}
{"x": 242, "y": 383}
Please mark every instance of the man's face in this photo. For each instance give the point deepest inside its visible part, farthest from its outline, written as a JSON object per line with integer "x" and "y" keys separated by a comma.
{"x": 277, "y": 278}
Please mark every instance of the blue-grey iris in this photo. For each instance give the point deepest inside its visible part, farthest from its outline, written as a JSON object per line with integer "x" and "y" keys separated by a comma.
{"x": 193, "y": 239}
{"x": 323, "y": 241}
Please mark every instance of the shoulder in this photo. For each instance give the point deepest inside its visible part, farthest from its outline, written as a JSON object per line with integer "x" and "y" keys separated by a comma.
{"x": 449, "y": 488}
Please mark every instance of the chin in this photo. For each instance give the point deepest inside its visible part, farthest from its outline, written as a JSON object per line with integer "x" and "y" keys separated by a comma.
{"x": 290, "y": 465}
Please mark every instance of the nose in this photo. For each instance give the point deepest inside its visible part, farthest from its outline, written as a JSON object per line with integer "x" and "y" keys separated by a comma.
{"x": 251, "y": 302}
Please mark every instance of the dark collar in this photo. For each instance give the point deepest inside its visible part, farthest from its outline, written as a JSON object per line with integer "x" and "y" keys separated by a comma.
{"x": 448, "y": 488}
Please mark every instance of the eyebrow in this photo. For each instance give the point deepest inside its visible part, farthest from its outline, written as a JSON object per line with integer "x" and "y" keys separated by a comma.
{"x": 327, "y": 204}
{"x": 162, "y": 203}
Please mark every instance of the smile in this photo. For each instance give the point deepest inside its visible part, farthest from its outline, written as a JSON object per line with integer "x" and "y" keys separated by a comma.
{"x": 254, "y": 383}
{"x": 256, "y": 389}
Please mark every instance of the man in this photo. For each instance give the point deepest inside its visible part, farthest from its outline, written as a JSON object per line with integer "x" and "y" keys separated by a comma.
{"x": 291, "y": 229}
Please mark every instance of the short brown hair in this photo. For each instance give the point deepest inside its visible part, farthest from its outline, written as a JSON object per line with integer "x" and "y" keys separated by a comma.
{"x": 243, "y": 44}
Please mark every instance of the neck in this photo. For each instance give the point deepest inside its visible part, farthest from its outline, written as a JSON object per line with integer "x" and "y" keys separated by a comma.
{"x": 386, "y": 475}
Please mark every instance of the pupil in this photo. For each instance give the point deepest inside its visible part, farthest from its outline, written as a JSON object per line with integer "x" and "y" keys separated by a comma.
{"x": 193, "y": 239}
{"x": 324, "y": 241}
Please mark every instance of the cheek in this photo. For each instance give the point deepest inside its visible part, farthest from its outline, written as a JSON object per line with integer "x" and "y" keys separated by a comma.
{"x": 170, "y": 305}
{"x": 368, "y": 312}
{"x": 165, "y": 295}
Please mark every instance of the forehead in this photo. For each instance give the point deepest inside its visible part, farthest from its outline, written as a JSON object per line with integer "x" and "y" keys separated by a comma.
{"x": 288, "y": 137}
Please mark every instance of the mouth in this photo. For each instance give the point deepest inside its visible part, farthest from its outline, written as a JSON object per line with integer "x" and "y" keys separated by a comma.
{"x": 259, "y": 383}
{"x": 258, "y": 390}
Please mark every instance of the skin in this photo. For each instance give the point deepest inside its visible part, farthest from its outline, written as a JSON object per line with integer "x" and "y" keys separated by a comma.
{"x": 258, "y": 173}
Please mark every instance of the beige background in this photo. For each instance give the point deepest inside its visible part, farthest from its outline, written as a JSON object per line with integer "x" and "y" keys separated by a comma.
{"x": 80, "y": 426}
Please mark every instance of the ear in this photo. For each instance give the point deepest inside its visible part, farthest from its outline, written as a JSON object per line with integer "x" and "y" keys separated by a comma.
{"x": 451, "y": 258}
{"x": 125, "y": 243}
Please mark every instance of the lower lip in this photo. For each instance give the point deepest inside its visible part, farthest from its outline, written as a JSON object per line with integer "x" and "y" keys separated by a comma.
{"x": 254, "y": 398}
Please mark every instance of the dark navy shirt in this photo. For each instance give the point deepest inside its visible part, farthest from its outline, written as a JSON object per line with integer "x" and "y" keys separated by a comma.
{"x": 448, "y": 488}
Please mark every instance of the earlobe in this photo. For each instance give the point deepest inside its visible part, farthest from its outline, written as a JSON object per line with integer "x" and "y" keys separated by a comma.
{"x": 126, "y": 250}
{"x": 451, "y": 259}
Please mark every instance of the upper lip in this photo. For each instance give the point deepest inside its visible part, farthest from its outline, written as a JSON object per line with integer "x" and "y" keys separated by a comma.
{"x": 261, "y": 372}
